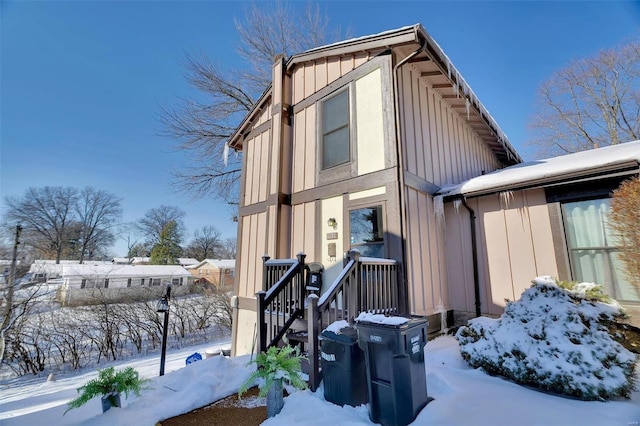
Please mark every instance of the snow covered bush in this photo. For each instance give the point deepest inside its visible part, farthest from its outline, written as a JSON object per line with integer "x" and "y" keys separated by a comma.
{"x": 554, "y": 338}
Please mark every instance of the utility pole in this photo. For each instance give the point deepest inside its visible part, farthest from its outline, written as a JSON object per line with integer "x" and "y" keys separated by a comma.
{"x": 6, "y": 320}
{"x": 12, "y": 276}
{"x": 14, "y": 256}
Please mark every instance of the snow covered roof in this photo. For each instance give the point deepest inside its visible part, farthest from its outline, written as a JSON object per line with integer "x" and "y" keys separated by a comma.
{"x": 218, "y": 263}
{"x": 124, "y": 270}
{"x": 184, "y": 261}
{"x": 595, "y": 162}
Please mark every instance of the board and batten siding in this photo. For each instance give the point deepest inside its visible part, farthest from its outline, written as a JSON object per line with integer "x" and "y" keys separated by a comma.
{"x": 313, "y": 76}
{"x": 426, "y": 268}
{"x": 438, "y": 144}
{"x": 257, "y": 156}
{"x": 303, "y": 230}
{"x": 515, "y": 245}
{"x": 439, "y": 147}
{"x": 253, "y": 246}
{"x": 304, "y": 149}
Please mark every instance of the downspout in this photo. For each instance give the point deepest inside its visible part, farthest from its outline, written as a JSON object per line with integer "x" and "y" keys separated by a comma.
{"x": 400, "y": 163}
{"x": 474, "y": 254}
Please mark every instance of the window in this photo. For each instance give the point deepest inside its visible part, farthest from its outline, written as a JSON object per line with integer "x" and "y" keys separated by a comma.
{"x": 106, "y": 283}
{"x": 129, "y": 282}
{"x": 593, "y": 251}
{"x": 366, "y": 231}
{"x": 154, "y": 281}
{"x": 175, "y": 281}
{"x": 142, "y": 281}
{"x": 83, "y": 284}
{"x": 335, "y": 130}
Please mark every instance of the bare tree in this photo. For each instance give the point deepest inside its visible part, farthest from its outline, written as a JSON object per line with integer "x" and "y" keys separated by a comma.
{"x": 593, "y": 102}
{"x": 46, "y": 214}
{"x": 230, "y": 246}
{"x": 97, "y": 212}
{"x": 204, "y": 127}
{"x": 129, "y": 233}
{"x": 156, "y": 220}
{"x": 207, "y": 243}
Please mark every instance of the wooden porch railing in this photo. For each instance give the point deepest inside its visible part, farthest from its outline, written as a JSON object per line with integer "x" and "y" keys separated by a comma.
{"x": 364, "y": 285}
{"x": 283, "y": 301}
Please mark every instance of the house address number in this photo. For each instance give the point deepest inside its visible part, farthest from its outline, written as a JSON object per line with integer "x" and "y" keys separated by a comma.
{"x": 332, "y": 235}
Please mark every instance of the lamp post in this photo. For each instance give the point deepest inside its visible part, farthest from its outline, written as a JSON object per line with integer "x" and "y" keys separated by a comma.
{"x": 163, "y": 306}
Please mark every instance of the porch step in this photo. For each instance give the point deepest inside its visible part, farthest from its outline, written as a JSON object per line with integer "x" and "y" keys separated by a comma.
{"x": 298, "y": 337}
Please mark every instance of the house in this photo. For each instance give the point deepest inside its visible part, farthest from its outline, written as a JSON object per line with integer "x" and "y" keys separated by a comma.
{"x": 187, "y": 261}
{"x": 43, "y": 270}
{"x": 87, "y": 282}
{"x": 218, "y": 272}
{"x": 546, "y": 217}
{"x": 5, "y": 267}
{"x": 355, "y": 148}
{"x": 182, "y": 261}
{"x": 346, "y": 150}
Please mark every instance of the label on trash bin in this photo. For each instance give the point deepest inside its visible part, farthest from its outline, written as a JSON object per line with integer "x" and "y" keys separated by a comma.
{"x": 375, "y": 338}
{"x": 415, "y": 344}
{"x": 328, "y": 357}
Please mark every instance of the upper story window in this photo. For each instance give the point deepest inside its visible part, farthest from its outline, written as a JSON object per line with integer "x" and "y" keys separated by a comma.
{"x": 335, "y": 130}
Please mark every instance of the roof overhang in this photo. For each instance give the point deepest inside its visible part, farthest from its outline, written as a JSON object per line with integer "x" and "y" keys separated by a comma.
{"x": 436, "y": 68}
{"x": 596, "y": 164}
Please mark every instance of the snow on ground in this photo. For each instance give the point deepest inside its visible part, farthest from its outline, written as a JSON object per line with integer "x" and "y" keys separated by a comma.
{"x": 462, "y": 396}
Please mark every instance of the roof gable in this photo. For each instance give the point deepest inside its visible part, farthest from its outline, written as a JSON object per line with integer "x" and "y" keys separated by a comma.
{"x": 436, "y": 67}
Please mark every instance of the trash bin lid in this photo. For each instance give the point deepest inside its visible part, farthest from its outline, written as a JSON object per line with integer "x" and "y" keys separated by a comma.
{"x": 380, "y": 319}
{"x": 346, "y": 335}
{"x": 394, "y": 322}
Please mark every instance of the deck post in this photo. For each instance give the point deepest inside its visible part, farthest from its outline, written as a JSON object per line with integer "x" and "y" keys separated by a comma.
{"x": 301, "y": 279}
{"x": 313, "y": 322}
{"x": 355, "y": 287}
{"x": 261, "y": 323}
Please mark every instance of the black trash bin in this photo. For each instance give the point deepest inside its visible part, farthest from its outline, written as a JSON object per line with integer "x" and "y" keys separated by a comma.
{"x": 343, "y": 368}
{"x": 396, "y": 379}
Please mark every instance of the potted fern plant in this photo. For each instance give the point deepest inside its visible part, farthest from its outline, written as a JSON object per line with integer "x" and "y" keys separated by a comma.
{"x": 109, "y": 385}
{"x": 274, "y": 366}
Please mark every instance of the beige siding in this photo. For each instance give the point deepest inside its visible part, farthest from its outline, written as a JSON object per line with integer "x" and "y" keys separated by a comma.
{"x": 304, "y": 149}
{"x": 311, "y": 77}
{"x": 439, "y": 146}
{"x": 257, "y": 161}
{"x": 426, "y": 270}
{"x": 253, "y": 247}
{"x": 459, "y": 257}
{"x": 303, "y": 230}
{"x": 514, "y": 246}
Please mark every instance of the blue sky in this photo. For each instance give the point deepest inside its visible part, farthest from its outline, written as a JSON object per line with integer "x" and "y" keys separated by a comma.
{"x": 81, "y": 83}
